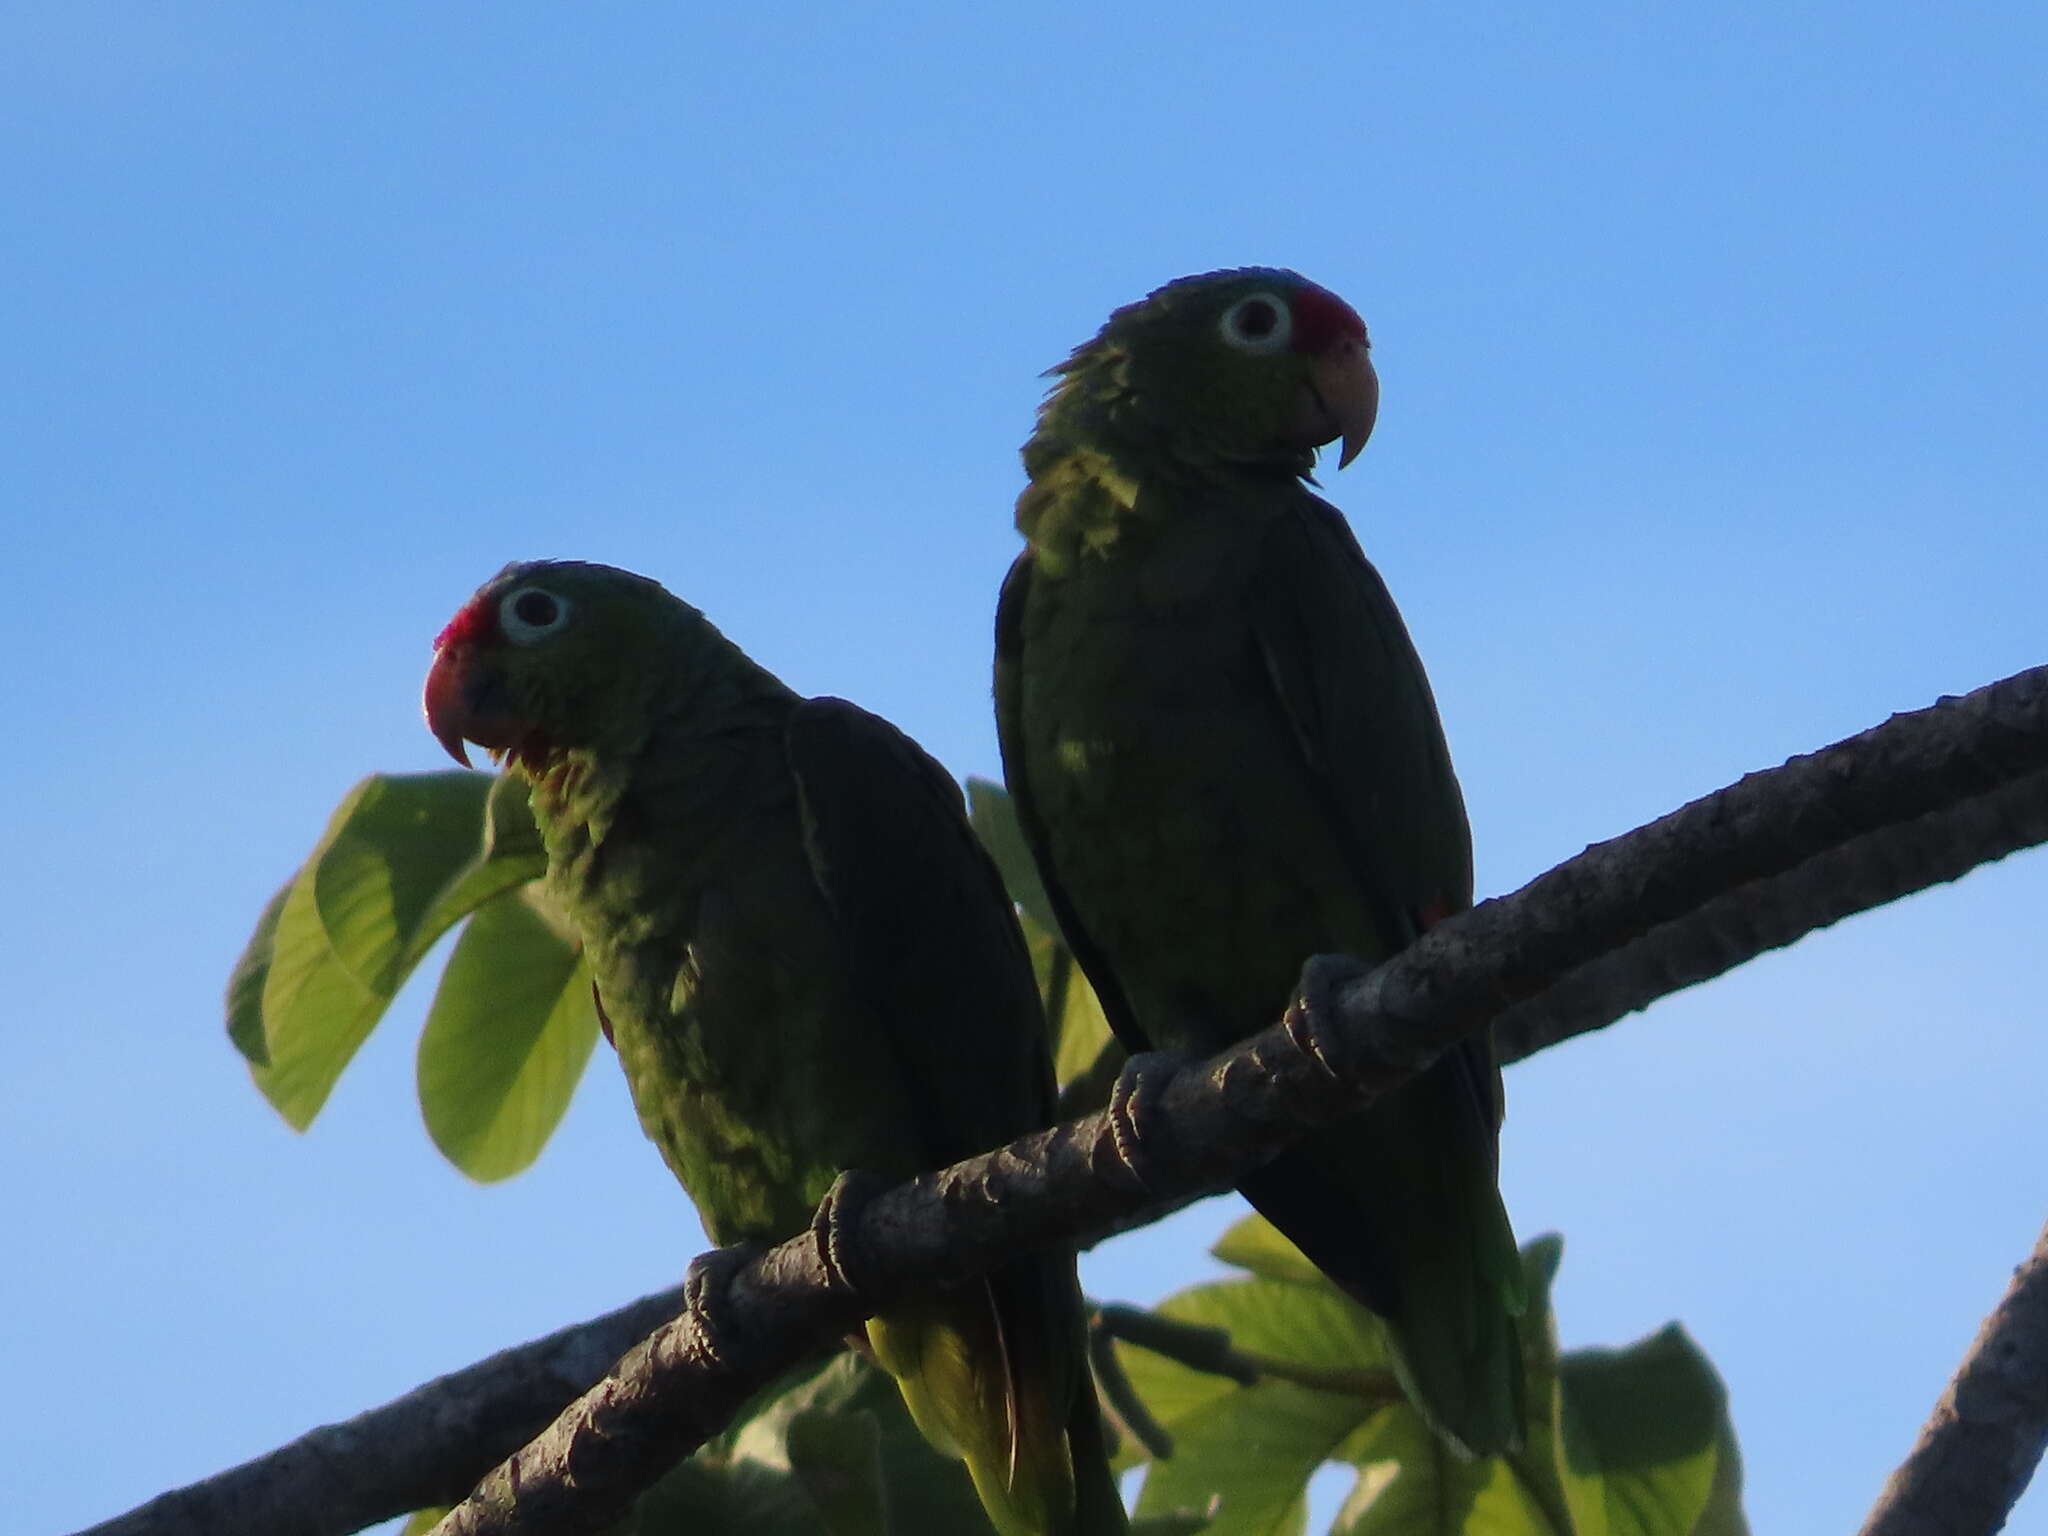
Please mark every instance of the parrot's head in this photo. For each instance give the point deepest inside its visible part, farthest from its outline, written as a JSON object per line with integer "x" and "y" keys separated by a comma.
{"x": 1255, "y": 365}
{"x": 549, "y": 656}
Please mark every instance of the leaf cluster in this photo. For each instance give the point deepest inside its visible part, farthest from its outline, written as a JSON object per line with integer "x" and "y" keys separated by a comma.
{"x": 1629, "y": 1442}
{"x": 405, "y": 858}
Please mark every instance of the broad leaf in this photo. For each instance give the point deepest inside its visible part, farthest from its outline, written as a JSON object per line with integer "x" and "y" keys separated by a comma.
{"x": 1072, "y": 1013}
{"x": 1180, "y": 1523}
{"x": 1073, "y": 1016}
{"x": 1410, "y": 1484}
{"x": 994, "y": 816}
{"x": 1253, "y": 1449}
{"x": 708, "y": 1494}
{"x": 798, "y": 1465}
{"x": 403, "y": 858}
{"x": 1723, "y": 1515}
{"x": 1628, "y": 1443}
{"x": 1536, "y": 1463}
{"x": 838, "y": 1459}
{"x": 246, "y": 981}
{"x": 1641, "y": 1437}
{"x": 1257, "y": 1245}
{"x": 1250, "y": 1454}
{"x": 507, "y": 1037}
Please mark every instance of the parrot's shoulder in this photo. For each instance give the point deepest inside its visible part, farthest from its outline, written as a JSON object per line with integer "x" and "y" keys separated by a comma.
{"x": 1306, "y": 528}
{"x": 1342, "y": 666}
{"x": 1077, "y": 504}
{"x": 840, "y": 752}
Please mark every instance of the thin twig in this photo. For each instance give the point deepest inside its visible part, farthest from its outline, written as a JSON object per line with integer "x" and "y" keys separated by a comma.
{"x": 1121, "y": 1404}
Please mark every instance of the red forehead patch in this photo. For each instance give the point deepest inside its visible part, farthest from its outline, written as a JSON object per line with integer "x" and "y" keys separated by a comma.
{"x": 1321, "y": 320}
{"x": 476, "y": 624}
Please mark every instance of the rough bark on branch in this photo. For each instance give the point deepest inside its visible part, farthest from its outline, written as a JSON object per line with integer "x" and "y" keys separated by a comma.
{"x": 1865, "y": 872}
{"x": 1922, "y": 799}
{"x": 1912, "y": 802}
{"x": 1976, "y": 1453}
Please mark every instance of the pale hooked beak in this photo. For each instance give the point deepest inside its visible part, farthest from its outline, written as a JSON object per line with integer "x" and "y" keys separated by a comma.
{"x": 446, "y": 709}
{"x": 1350, "y": 393}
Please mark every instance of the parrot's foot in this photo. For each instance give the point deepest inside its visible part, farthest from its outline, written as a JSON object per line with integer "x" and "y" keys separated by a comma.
{"x": 1141, "y": 1137}
{"x": 707, "y": 1285}
{"x": 1315, "y": 1003}
{"x": 837, "y": 1228}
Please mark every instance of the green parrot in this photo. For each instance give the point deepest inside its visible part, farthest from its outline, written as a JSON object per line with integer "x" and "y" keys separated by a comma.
{"x": 1226, "y": 759}
{"x": 807, "y": 965}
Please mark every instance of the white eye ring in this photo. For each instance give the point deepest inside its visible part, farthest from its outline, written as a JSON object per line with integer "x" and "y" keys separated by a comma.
{"x": 530, "y": 614}
{"x": 1259, "y": 322}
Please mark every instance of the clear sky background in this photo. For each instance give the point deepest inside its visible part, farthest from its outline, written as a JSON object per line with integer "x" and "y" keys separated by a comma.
{"x": 1711, "y": 340}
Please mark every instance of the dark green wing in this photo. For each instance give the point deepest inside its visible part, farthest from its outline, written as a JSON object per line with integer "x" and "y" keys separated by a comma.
{"x": 1357, "y": 700}
{"x": 1355, "y": 693}
{"x": 931, "y": 937}
{"x": 1123, "y": 1021}
{"x": 1399, "y": 1203}
{"x": 929, "y": 933}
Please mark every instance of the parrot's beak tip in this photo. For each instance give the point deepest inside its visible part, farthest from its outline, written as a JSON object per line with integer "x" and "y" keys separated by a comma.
{"x": 455, "y": 747}
{"x": 440, "y": 702}
{"x": 1348, "y": 391}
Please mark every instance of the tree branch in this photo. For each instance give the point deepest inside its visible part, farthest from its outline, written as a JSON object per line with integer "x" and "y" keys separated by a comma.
{"x": 426, "y": 1448}
{"x": 1865, "y": 872}
{"x": 1977, "y": 1452}
{"x": 1913, "y": 802}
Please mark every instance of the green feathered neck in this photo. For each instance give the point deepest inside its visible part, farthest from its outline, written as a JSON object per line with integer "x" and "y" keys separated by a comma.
{"x": 689, "y": 690}
{"x": 1110, "y": 450}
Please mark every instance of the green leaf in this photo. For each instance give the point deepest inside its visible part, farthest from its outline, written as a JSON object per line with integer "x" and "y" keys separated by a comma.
{"x": 1536, "y": 1463}
{"x": 1180, "y": 1523}
{"x": 994, "y": 817}
{"x": 246, "y": 982}
{"x": 1650, "y": 1447}
{"x": 511, "y": 835}
{"x": 1257, "y": 1245}
{"x": 1723, "y": 1515}
{"x": 1410, "y": 1484}
{"x": 424, "y": 1520}
{"x": 1252, "y": 1449}
{"x": 838, "y": 1459}
{"x": 1250, "y": 1452}
{"x": 1308, "y": 1331}
{"x": 1540, "y": 1259}
{"x": 1640, "y": 1439}
{"x": 827, "y": 1451}
{"x": 707, "y": 1494}
{"x": 1072, "y": 1012}
{"x": 403, "y": 858}
{"x": 507, "y": 1037}
{"x": 1074, "y": 1016}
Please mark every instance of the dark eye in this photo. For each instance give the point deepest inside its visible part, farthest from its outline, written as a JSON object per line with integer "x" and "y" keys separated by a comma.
{"x": 1261, "y": 322}
{"x": 530, "y": 614}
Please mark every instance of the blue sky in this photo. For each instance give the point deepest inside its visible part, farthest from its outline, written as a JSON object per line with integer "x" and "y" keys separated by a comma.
{"x": 1710, "y": 343}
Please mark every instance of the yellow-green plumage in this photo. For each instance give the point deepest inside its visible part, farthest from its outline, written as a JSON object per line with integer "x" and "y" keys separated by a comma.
{"x": 807, "y": 965}
{"x": 1226, "y": 758}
